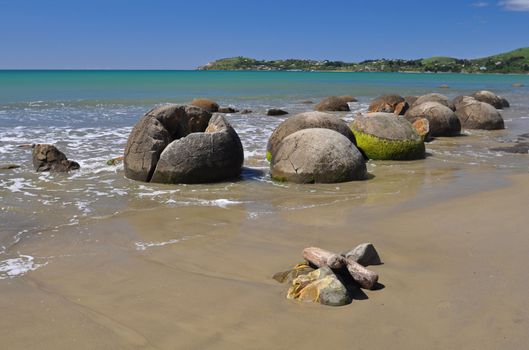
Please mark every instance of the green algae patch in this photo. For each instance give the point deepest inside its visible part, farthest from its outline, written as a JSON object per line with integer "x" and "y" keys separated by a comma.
{"x": 268, "y": 156}
{"x": 383, "y": 149}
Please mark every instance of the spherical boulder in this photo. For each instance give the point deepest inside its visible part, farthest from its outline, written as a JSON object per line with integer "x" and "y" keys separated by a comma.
{"x": 306, "y": 120}
{"x": 317, "y": 155}
{"x": 335, "y": 104}
{"x": 442, "y": 120}
{"x": 474, "y": 114}
{"x": 49, "y": 158}
{"x": 154, "y": 131}
{"x": 434, "y": 97}
{"x": 460, "y": 100}
{"x": 210, "y": 156}
{"x": 384, "y": 136}
{"x": 205, "y": 103}
{"x": 389, "y": 104}
{"x": 491, "y": 98}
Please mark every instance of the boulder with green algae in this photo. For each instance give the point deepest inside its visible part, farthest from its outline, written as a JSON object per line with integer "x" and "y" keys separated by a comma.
{"x": 384, "y": 136}
{"x": 306, "y": 120}
{"x": 321, "y": 286}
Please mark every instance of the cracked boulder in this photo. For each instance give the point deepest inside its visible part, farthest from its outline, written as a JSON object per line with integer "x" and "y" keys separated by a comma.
{"x": 206, "y": 150}
{"x": 384, "y": 136}
{"x": 306, "y": 120}
{"x": 434, "y": 97}
{"x": 319, "y": 286}
{"x": 442, "y": 120}
{"x": 491, "y": 98}
{"x": 389, "y": 104}
{"x": 210, "y": 156}
{"x": 474, "y": 114}
{"x": 317, "y": 155}
{"x": 49, "y": 158}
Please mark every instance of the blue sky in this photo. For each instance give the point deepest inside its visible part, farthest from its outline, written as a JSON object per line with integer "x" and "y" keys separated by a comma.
{"x": 163, "y": 34}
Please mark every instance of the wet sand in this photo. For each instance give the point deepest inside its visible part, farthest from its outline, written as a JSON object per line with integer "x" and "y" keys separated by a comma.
{"x": 455, "y": 276}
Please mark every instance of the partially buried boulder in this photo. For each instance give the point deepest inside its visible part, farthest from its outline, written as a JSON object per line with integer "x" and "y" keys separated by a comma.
{"x": 275, "y": 112}
{"x": 205, "y": 103}
{"x": 460, "y": 100}
{"x": 317, "y": 156}
{"x": 434, "y": 97}
{"x": 49, "y": 158}
{"x": 227, "y": 110}
{"x": 491, "y": 98}
{"x": 385, "y": 136}
{"x": 306, "y": 120}
{"x": 210, "y": 156}
{"x": 320, "y": 286}
{"x": 335, "y": 104}
{"x": 474, "y": 114}
{"x": 389, "y": 104}
{"x": 155, "y": 130}
{"x": 442, "y": 120}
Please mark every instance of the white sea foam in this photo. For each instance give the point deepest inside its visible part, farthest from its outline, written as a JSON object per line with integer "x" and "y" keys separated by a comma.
{"x": 145, "y": 245}
{"x": 15, "y": 267}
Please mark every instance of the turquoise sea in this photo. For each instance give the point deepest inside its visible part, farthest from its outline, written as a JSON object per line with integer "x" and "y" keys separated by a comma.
{"x": 89, "y": 114}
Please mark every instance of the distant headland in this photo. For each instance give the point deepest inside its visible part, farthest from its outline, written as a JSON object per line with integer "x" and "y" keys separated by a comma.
{"x": 516, "y": 61}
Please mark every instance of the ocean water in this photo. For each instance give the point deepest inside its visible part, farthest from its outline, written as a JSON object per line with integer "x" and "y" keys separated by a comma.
{"x": 89, "y": 114}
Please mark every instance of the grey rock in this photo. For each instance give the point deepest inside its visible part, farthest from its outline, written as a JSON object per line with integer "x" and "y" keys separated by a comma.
{"x": 246, "y": 111}
{"x": 365, "y": 254}
{"x": 49, "y": 158}
{"x": 389, "y": 104}
{"x": 210, "y": 156}
{"x": 460, "y": 100}
{"x": 479, "y": 115}
{"x": 518, "y": 148}
{"x": 517, "y": 85}
{"x": 157, "y": 129}
{"x": 492, "y": 99}
{"x": 275, "y": 112}
{"x": 9, "y": 166}
{"x": 442, "y": 120}
{"x": 227, "y": 110}
{"x": 317, "y": 156}
{"x": 307, "y": 120}
{"x": 335, "y": 104}
{"x": 434, "y": 97}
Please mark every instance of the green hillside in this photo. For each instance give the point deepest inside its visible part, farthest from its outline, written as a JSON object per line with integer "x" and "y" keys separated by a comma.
{"x": 516, "y": 61}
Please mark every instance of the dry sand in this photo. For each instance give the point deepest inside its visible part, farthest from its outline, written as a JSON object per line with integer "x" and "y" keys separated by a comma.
{"x": 455, "y": 276}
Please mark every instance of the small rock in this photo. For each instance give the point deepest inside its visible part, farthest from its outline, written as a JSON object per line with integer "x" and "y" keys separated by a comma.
{"x": 9, "y": 166}
{"x": 115, "y": 161}
{"x": 227, "y": 110}
{"x": 246, "y": 111}
{"x": 365, "y": 254}
{"x": 275, "y": 111}
{"x": 444, "y": 86}
{"x": 49, "y": 158}
{"x": 306, "y": 102}
{"x": 320, "y": 286}
{"x": 518, "y": 85}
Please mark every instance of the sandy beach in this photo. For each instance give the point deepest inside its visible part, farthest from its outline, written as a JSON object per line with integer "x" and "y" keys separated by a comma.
{"x": 454, "y": 276}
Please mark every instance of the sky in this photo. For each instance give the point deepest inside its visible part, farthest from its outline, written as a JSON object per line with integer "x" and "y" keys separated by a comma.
{"x": 177, "y": 34}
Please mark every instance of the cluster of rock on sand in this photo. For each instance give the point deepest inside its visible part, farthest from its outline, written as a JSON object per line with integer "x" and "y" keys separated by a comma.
{"x": 329, "y": 278}
{"x": 196, "y": 144}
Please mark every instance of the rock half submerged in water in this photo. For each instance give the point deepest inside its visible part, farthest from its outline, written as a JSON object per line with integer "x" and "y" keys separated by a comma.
{"x": 49, "y": 158}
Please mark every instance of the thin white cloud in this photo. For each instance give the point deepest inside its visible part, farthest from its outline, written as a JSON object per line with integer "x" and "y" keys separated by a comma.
{"x": 480, "y": 4}
{"x": 515, "y": 5}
